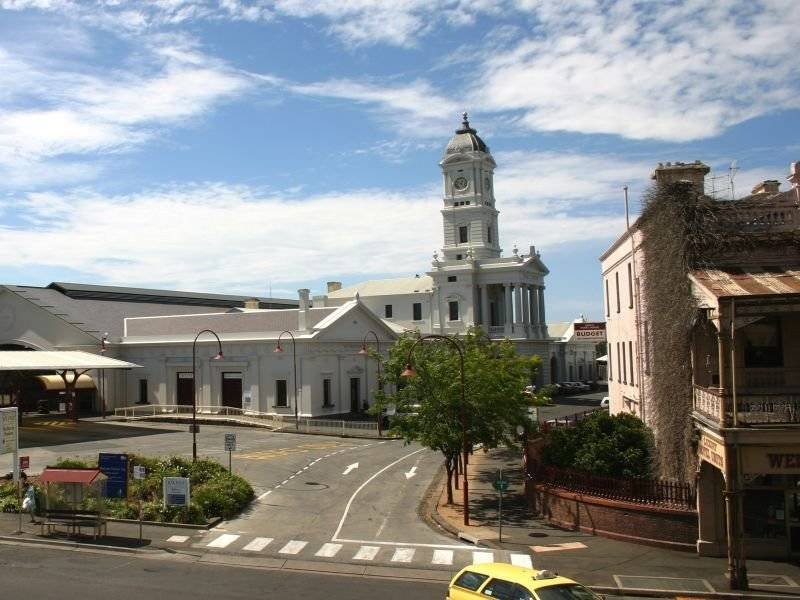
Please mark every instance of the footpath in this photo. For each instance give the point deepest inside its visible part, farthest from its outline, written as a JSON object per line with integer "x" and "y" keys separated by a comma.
{"x": 608, "y": 566}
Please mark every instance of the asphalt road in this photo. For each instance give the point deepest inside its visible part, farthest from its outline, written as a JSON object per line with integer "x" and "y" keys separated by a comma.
{"x": 46, "y": 574}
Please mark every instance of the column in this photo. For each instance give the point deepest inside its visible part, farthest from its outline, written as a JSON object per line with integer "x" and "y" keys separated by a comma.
{"x": 509, "y": 312}
{"x": 526, "y": 311}
{"x": 518, "y": 302}
{"x": 542, "y": 318}
{"x": 535, "y": 311}
{"x": 485, "y": 315}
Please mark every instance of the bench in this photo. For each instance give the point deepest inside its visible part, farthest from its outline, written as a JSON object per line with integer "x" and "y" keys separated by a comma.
{"x": 74, "y": 520}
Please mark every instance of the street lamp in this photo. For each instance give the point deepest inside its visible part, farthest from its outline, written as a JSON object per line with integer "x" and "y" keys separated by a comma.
{"x": 364, "y": 352}
{"x": 218, "y": 356}
{"x": 410, "y": 372}
{"x": 294, "y": 364}
{"x": 103, "y": 350}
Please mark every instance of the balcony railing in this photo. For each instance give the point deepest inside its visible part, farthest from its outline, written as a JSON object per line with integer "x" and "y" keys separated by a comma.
{"x": 762, "y": 218}
{"x": 754, "y": 408}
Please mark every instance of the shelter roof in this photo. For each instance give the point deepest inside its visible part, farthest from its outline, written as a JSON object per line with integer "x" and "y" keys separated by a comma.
{"x": 734, "y": 282}
{"x": 82, "y": 476}
{"x": 58, "y": 360}
{"x": 386, "y": 287}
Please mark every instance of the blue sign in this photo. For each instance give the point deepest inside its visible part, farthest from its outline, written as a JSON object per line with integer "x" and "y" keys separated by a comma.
{"x": 115, "y": 467}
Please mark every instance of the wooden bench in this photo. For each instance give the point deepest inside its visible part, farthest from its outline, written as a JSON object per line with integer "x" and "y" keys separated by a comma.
{"x": 74, "y": 520}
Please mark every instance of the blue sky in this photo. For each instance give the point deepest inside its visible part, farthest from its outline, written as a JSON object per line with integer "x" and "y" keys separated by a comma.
{"x": 263, "y": 146}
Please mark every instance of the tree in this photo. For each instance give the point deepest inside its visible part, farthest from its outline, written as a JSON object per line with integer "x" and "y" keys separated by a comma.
{"x": 428, "y": 407}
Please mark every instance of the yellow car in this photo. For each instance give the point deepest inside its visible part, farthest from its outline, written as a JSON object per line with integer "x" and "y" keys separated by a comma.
{"x": 508, "y": 582}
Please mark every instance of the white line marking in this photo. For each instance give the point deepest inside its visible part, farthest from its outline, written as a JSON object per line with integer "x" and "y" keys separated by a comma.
{"x": 284, "y": 482}
{"x": 328, "y": 550}
{"x": 410, "y": 544}
{"x": 178, "y": 538}
{"x": 521, "y": 560}
{"x": 293, "y": 547}
{"x": 442, "y": 557}
{"x": 226, "y": 539}
{"x": 361, "y": 487}
{"x": 403, "y": 555}
{"x": 411, "y": 472}
{"x": 366, "y": 553}
{"x": 479, "y": 558}
{"x": 556, "y": 547}
{"x": 258, "y": 544}
{"x": 264, "y": 495}
{"x": 350, "y": 468}
{"x": 380, "y": 529}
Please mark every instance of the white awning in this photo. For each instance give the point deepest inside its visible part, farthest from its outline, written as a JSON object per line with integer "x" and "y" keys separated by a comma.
{"x": 58, "y": 360}
{"x": 55, "y": 383}
{"x": 603, "y": 359}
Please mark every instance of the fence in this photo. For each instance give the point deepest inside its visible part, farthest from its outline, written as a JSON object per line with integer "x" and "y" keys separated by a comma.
{"x": 275, "y": 422}
{"x": 567, "y": 421}
{"x": 673, "y": 494}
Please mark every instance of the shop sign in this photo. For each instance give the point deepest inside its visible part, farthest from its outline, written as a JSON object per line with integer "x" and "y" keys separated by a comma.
{"x": 771, "y": 459}
{"x": 712, "y": 451}
{"x": 595, "y": 332}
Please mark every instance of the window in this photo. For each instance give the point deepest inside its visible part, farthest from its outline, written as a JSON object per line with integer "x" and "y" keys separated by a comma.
{"x": 459, "y": 256}
{"x": 616, "y": 280}
{"x": 470, "y": 581}
{"x": 143, "y": 391}
{"x": 505, "y": 590}
{"x": 619, "y": 362}
{"x": 453, "y": 305}
{"x": 387, "y": 311}
{"x": 610, "y": 374}
{"x": 630, "y": 287}
{"x": 281, "y": 398}
{"x": 416, "y": 310}
{"x": 462, "y": 234}
{"x": 565, "y": 592}
{"x": 608, "y": 302}
{"x": 630, "y": 354}
{"x": 452, "y": 278}
{"x": 763, "y": 346}
{"x": 326, "y": 393}
{"x": 624, "y": 367}
{"x": 489, "y": 234}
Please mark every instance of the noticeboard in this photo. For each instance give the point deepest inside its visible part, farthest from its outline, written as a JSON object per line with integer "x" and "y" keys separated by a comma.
{"x": 176, "y": 491}
{"x": 8, "y": 430}
{"x": 115, "y": 467}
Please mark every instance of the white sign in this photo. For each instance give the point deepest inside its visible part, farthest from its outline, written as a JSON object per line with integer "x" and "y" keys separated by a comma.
{"x": 8, "y": 430}
{"x": 139, "y": 472}
{"x": 176, "y": 491}
{"x": 230, "y": 442}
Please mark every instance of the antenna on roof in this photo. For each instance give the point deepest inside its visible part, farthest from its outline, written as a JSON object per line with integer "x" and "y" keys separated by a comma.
{"x": 731, "y": 174}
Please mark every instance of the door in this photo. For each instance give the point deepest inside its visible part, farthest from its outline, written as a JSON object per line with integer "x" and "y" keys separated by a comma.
{"x": 793, "y": 521}
{"x": 232, "y": 390}
{"x": 185, "y": 389}
{"x": 355, "y": 394}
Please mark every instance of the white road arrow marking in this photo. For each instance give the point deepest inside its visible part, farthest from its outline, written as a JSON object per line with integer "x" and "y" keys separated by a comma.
{"x": 411, "y": 473}
{"x": 350, "y": 468}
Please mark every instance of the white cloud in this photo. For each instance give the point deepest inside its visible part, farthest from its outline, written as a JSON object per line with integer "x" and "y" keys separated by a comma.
{"x": 688, "y": 72}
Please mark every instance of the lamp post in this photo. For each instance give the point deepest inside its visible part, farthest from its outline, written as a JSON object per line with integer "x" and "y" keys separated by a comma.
{"x": 410, "y": 372}
{"x": 364, "y": 352}
{"x": 218, "y": 356}
{"x": 103, "y": 350}
{"x": 294, "y": 365}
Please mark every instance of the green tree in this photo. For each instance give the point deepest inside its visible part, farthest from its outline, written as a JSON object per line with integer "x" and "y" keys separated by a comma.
{"x": 429, "y": 407}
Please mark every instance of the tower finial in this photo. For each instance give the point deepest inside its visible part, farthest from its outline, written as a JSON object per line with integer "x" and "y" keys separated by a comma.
{"x": 466, "y": 120}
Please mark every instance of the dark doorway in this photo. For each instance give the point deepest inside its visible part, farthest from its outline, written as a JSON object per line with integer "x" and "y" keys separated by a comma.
{"x": 553, "y": 370}
{"x": 355, "y": 394}
{"x": 185, "y": 389}
{"x": 232, "y": 390}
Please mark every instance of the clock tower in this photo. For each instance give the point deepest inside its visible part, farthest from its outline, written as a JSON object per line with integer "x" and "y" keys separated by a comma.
{"x": 469, "y": 215}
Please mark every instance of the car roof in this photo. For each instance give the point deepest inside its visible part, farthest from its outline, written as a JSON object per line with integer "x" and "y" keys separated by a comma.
{"x": 522, "y": 575}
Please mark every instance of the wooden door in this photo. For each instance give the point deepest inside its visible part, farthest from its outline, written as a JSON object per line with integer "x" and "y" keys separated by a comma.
{"x": 232, "y": 390}
{"x": 185, "y": 389}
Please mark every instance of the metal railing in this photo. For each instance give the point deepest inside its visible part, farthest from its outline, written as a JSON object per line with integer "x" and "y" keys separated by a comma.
{"x": 754, "y": 409}
{"x": 275, "y": 422}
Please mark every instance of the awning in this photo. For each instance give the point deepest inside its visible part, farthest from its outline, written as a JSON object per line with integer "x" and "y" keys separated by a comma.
{"x": 735, "y": 282}
{"x": 602, "y": 359}
{"x": 82, "y": 476}
{"x": 58, "y": 360}
{"x": 55, "y": 383}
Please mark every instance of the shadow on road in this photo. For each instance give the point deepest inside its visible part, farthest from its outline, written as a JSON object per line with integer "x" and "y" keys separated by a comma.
{"x": 56, "y": 430}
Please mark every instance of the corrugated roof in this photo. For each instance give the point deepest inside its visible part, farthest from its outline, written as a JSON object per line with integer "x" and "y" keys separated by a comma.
{"x": 57, "y": 360}
{"x": 82, "y": 476}
{"x": 386, "y": 287}
{"x": 739, "y": 282}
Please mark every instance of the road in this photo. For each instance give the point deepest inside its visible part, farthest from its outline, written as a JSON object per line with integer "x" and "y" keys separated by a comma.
{"x": 47, "y": 574}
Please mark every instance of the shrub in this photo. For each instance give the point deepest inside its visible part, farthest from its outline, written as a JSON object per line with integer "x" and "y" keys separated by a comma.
{"x": 601, "y": 444}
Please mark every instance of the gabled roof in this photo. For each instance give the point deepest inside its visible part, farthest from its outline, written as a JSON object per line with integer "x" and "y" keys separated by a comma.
{"x": 82, "y": 476}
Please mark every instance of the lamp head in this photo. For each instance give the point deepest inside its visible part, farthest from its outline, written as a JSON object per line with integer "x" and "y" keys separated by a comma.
{"x": 218, "y": 356}
{"x": 408, "y": 371}
{"x": 363, "y": 350}
{"x": 278, "y": 348}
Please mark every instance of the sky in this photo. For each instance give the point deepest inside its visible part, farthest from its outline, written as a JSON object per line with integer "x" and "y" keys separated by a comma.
{"x": 260, "y": 146}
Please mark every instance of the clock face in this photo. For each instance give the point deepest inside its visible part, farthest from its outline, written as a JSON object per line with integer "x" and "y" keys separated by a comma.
{"x": 460, "y": 183}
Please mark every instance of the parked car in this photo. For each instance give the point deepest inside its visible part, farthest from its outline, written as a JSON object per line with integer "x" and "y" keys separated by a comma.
{"x": 501, "y": 580}
{"x": 605, "y": 403}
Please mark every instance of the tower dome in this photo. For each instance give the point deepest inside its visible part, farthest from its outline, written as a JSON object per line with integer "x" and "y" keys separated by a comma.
{"x": 466, "y": 139}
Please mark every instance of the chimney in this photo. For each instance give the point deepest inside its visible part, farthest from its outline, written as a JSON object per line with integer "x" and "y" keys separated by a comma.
{"x": 768, "y": 186}
{"x": 695, "y": 173}
{"x": 302, "y": 313}
{"x": 334, "y": 286}
{"x": 252, "y": 303}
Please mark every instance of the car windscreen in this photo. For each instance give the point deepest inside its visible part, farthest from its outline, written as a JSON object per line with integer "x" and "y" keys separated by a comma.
{"x": 566, "y": 592}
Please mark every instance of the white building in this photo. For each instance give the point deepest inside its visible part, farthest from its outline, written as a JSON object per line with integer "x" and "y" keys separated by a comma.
{"x": 574, "y": 355}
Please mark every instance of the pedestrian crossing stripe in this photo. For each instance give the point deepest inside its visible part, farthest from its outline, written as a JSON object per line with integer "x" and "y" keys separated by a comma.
{"x": 442, "y": 557}
{"x": 293, "y": 547}
{"x": 403, "y": 555}
{"x": 366, "y": 553}
{"x": 258, "y": 544}
{"x": 521, "y": 560}
{"x": 223, "y": 541}
{"x": 328, "y": 550}
{"x": 479, "y": 558}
